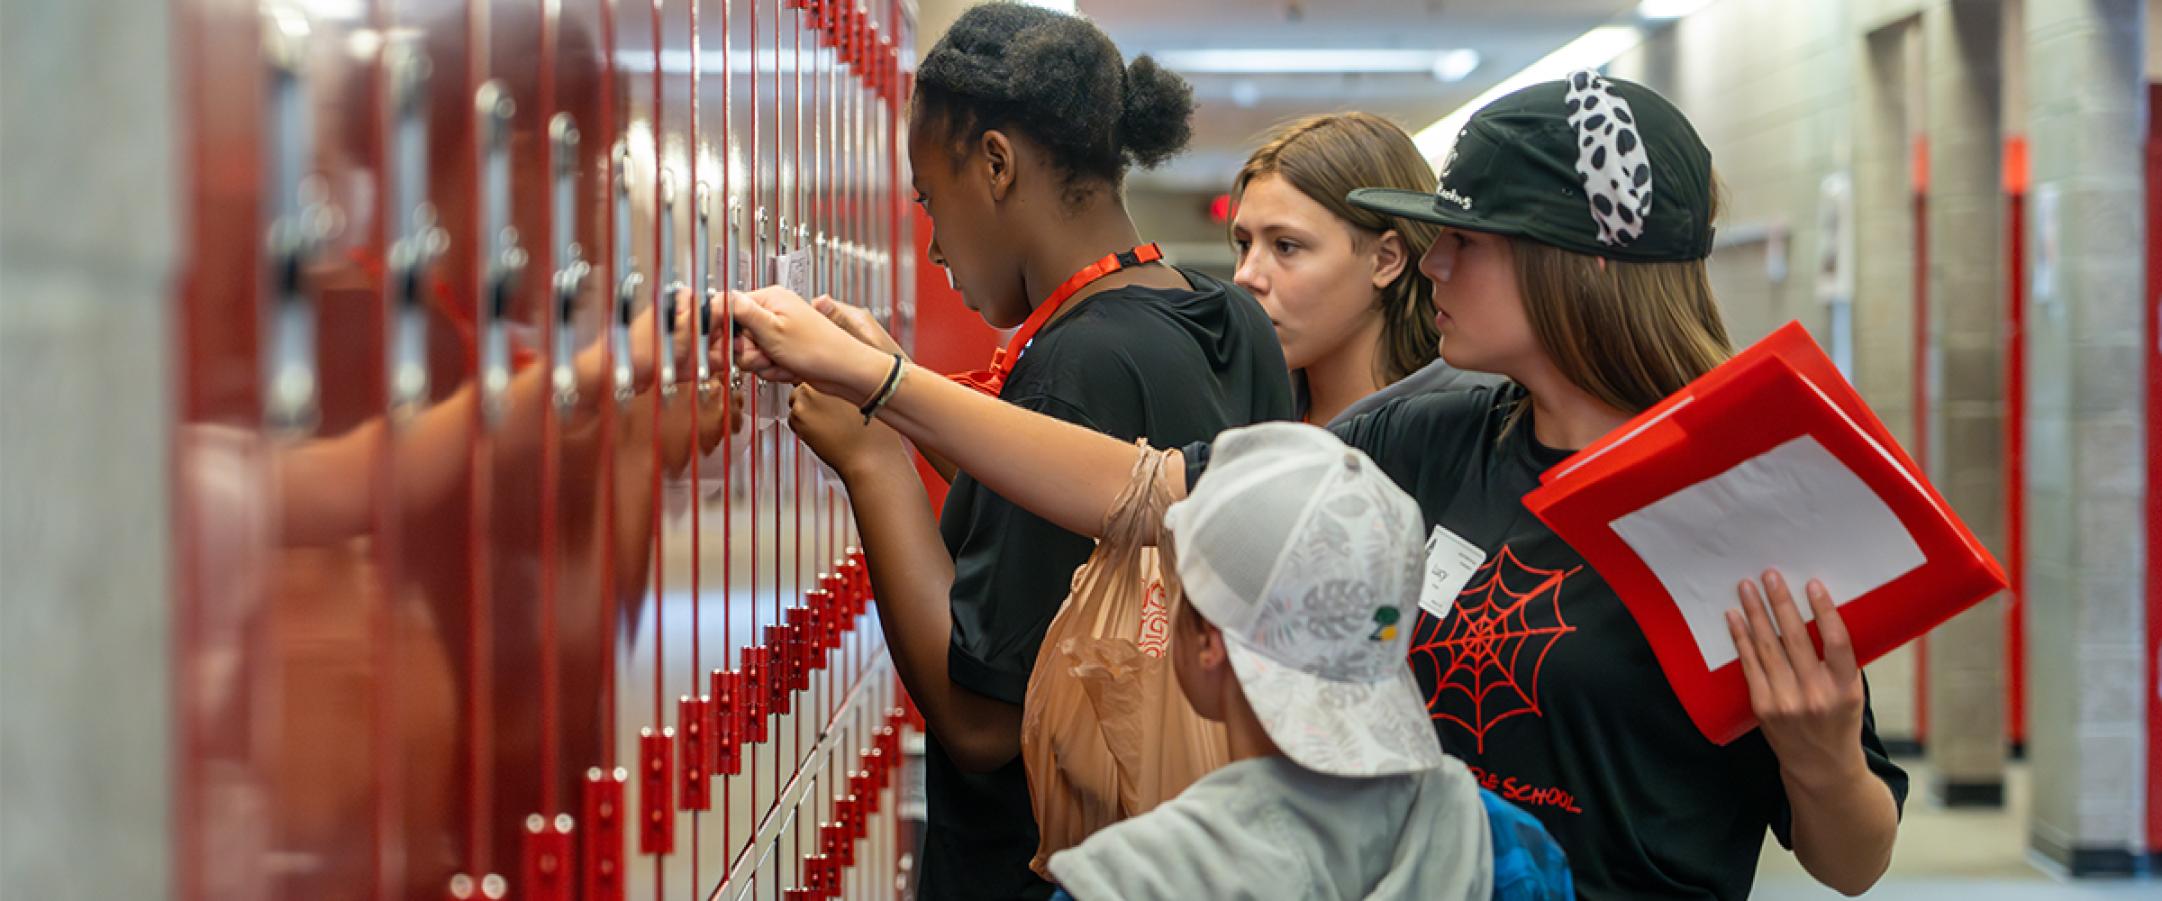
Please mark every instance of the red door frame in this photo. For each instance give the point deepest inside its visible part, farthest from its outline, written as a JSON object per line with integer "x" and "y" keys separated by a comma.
{"x": 2015, "y": 441}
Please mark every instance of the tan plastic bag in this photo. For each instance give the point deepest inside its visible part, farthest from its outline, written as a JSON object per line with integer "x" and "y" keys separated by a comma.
{"x": 1105, "y": 732}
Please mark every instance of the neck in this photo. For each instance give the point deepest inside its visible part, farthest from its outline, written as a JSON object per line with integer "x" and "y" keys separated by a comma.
{"x": 1243, "y": 735}
{"x": 1338, "y": 379}
{"x": 1564, "y": 416}
{"x": 1100, "y": 230}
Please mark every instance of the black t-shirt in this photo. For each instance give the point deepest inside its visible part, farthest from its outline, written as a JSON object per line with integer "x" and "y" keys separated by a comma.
{"x": 1172, "y": 365}
{"x": 1540, "y": 680}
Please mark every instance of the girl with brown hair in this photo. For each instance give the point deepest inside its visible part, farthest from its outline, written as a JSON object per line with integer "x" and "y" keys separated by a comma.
{"x": 1341, "y": 283}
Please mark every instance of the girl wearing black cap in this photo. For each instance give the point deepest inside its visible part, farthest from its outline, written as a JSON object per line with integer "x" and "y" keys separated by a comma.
{"x": 1023, "y": 124}
{"x": 1578, "y": 217}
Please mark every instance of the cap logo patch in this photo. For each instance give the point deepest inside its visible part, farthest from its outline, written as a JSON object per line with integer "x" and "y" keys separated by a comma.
{"x": 1384, "y": 624}
{"x": 1442, "y": 191}
{"x": 1611, "y": 162}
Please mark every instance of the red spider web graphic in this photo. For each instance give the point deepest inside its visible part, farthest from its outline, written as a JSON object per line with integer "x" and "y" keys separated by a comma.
{"x": 1481, "y": 664}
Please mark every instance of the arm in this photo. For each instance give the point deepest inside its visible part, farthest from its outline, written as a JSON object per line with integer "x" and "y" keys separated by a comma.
{"x": 1059, "y": 471}
{"x": 326, "y": 487}
{"x": 912, "y": 575}
{"x": 1811, "y": 708}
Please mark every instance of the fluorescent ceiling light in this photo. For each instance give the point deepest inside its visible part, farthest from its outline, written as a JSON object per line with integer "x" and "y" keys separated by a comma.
{"x": 1063, "y": 6}
{"x": 1591, "y": 50}
{"x": 1660, "y": 10}
{"x": 1445, "y": 65}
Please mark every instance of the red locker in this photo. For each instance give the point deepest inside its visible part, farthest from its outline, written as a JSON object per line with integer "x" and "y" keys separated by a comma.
{"x": 475, "y": 539}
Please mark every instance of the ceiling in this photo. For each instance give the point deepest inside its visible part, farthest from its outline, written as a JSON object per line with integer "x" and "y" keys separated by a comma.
{"x": 1507, "y": 34}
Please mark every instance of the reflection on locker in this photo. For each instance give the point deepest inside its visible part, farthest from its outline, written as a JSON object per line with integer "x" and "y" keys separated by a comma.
{"x": 495, "y": 584}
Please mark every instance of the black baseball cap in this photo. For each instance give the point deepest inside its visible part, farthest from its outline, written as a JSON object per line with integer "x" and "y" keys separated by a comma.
{"x": 1597, "y": 165}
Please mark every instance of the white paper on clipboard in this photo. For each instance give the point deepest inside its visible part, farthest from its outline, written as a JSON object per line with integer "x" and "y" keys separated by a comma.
{"x": 1795, "y": 508}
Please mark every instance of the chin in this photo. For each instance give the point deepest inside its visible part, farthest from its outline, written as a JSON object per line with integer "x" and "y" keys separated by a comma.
{"x": 1459, "y": 358}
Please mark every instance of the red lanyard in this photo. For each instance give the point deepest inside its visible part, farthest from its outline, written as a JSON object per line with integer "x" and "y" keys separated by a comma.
{"x": 991, "y": 381}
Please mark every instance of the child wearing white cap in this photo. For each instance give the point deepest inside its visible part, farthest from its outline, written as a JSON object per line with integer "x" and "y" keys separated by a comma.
{"x": 1299, "y": 564}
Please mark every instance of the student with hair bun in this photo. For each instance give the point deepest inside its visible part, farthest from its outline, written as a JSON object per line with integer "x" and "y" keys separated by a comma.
{"x": 1022, "y": 127}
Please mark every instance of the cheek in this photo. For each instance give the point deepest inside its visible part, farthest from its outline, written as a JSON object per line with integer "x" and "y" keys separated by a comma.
{"x": 1320, "y": 304}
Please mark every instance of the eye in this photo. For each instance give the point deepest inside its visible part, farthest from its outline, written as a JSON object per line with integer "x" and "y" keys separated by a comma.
{"x": 1241, "y": 245}
{"x": 921, "y": 200}
{"x": 1286, "y": 247}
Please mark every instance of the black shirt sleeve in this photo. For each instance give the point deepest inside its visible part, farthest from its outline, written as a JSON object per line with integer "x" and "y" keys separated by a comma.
{"x": 1417, "y": 439}
{"x": 1880, "y": 765}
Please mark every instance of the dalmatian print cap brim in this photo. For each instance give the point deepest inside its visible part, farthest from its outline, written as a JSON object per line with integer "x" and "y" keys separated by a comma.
{"x": 1591, "y": 163}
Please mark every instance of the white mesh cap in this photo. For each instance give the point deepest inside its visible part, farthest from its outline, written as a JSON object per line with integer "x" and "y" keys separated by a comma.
{"x": 1307, "y": 557}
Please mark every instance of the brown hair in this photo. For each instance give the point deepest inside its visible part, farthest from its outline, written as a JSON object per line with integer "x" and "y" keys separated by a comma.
{"x": 1325, "y": 158}
{"x": 1628, "y": 333}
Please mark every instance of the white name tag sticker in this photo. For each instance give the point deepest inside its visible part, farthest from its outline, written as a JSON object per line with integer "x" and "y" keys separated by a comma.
{"x": 1450, "y": 563}
{"x": 794, "y": 272}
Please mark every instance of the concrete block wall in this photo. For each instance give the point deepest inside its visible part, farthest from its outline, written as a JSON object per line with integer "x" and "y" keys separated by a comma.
{"x": 87, "y": 246}
{"x": 1962, "y": 51}
{"x": 2087, "y": 113}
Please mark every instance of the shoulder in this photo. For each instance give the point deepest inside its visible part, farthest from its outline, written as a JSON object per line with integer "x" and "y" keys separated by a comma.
{"x": 1476, "y": 410}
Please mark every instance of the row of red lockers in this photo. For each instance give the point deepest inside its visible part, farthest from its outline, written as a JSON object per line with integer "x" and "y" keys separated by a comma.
{"x": 462, "y": 544}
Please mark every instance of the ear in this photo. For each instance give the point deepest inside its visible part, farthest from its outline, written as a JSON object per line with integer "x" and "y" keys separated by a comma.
{"x": 1390, "y": 258}
{"x": 998, "y": 168}
{"x": 1213, "y": 655}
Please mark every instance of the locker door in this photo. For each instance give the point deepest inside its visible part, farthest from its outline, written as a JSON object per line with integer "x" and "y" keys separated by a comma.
{"x": 675, "y": 671}
{"x": 645, "y": 737}
{"x": 579, "y": 772}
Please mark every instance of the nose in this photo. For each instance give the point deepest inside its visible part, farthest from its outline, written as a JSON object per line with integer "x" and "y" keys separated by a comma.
{"x": 1248, "y": 275}
{"x": 937, "y": 257}
{"x": 1439, "y": 262}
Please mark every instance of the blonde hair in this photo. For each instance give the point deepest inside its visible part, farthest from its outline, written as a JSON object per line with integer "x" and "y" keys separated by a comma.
{"x": 1627, "y": 333}
{"x": 1325, "y": 158}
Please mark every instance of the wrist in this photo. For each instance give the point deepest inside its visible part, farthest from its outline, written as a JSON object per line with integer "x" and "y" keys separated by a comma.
{"x": 863, "y": 373}
{"x": 1826, "y": 776}
{"x": 877, "y": 457}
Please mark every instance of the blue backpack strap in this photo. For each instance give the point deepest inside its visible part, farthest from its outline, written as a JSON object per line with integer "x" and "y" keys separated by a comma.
{"x": 1528, "y": 864}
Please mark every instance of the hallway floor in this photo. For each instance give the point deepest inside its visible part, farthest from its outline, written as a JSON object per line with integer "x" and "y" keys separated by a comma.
{"x": 1955, "y": 855}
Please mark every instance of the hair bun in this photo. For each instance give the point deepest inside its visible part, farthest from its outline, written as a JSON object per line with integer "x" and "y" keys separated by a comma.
{"x": 1156, "y": 120}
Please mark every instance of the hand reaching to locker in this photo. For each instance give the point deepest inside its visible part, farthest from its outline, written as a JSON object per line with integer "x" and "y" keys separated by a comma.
{"x": 836, "y": 432}
{"x": 858, "y": 322}
{"x": 781, "y": 337}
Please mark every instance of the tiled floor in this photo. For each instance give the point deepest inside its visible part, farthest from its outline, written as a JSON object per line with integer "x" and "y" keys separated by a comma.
{"x": 1955, "y": 855}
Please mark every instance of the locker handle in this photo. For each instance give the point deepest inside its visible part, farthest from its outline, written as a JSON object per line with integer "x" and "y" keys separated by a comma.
{"x": 504, "y": 269}
{"x": 702, "y": 277}
{"x": 419, "y": 241}
{"x": 301, "y": 220}
{"x": 571, "y": 268}
{"x": 664, "y": 314}
{"x": 627, "y": 285}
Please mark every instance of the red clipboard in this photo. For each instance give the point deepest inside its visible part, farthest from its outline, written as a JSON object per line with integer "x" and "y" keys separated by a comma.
{"x": 1776, "y": 393}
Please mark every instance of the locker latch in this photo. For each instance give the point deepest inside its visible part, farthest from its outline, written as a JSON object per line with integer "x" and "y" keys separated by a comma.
{"x": 656, "y": 811}
{"x": 547, "y": 872}
{"x": 692, "y": 727}
{"x": 780, "y": 670}
{"x": 726, "y": 714}
{"x": 604, "y": 834}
